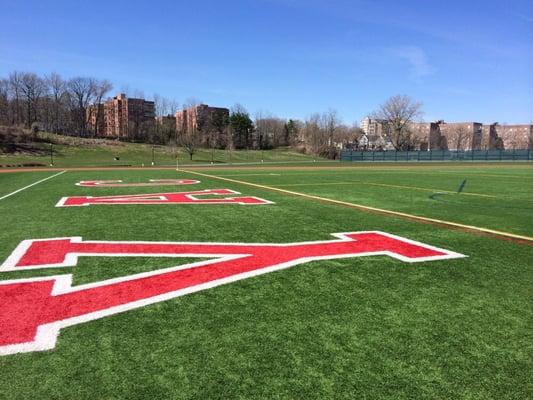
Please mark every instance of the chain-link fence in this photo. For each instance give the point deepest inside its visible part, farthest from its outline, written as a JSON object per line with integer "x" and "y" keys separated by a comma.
{"x": 438, "y": 155}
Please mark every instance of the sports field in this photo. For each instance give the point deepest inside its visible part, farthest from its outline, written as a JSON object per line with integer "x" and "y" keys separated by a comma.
{"x": 427, "y": 295}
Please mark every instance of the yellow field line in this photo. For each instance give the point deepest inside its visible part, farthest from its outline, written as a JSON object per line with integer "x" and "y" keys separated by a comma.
{"x": 414, "y": 171}
{"x": 265, "y": 174}
{"x": 386, "y": 185}
{"x": 374, "y": 209}
{"x": 468, "y": 173}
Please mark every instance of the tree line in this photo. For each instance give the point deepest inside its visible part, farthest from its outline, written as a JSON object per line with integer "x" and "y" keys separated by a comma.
{"x": 321, "y": 134}
{"x": 50, "y": 102}
{"x": 59, "y": 105}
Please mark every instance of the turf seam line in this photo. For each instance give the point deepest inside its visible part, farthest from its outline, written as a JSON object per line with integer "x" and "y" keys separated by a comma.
{"x": 492, "y": 232}
{"x": 32, "y": 184}
{"x": 385, "y": 185}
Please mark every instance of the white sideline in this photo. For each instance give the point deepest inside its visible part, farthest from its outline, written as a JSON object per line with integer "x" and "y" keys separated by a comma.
{"x": 33, "y": 184}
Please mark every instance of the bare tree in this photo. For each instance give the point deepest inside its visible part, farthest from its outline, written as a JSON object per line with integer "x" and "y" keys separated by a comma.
{"x": 160, "y": 104}
{"x": 190, "y": 140}
{"x": 270, "y": 131}
{"x": 4, "y": 102}
{"x": 399, "y": 112}
{"x": 15, "y": 82}
{"x": 330, "y": 122}
{"x": 458, "y": 138}
{"x": 57, "y": 91}
{"x": 314, "y": 141}
{"x": 346, "y": 136}
{"x": 101, "y": 88}
{"x": 165, "y": 106}
{"x": 165, "y": 111}
{"x": 32, "y": 88}
{"x": 81, "y": 92}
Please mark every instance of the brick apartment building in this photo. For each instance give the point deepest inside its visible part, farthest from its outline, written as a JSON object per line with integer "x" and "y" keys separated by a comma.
{"x": 196, "y": 117}
{"x": 126, "y": 116}
{"x": 508, "y": 137}
{"x": 441, "y": 135}
{"x": 121, "y": 116}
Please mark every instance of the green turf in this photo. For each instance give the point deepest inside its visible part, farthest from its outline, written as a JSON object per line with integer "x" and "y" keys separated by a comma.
{"x": 369, "y": 327}
{"x": 496, "y": 197}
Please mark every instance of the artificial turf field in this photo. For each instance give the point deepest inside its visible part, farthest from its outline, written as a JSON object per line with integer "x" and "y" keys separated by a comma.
{"x": 362, "y": 327}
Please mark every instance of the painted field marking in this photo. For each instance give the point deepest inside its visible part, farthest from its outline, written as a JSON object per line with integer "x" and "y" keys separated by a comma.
{"x": 164, "y": 198}
{"x": 375, "y": 209}
{"x": 385, "y": 185}
{"x": 35, "y": 310}
{"x": 151, "y": 182}
{"x": 33, "y": 184}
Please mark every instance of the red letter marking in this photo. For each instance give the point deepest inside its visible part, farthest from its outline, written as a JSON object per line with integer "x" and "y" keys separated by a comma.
{"x": 32, "y": 311}
{"x": 152, "y": 182}
{"x": 164, "y": 198}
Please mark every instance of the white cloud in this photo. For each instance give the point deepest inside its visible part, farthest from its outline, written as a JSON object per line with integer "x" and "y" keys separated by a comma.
{"x": 417, "y": 60}
{"x": 525, "y": 18}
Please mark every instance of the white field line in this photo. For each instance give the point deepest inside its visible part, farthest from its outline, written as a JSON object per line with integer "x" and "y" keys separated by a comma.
{"x": 30, "y": 185}
{"x": 375, "y": 209}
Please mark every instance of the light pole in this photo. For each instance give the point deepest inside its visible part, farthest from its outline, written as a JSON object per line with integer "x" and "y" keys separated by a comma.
{"x": 51, "y": 154}
{"x": 153, "y": 156}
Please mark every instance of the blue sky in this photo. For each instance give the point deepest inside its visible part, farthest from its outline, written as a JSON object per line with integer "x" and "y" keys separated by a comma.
{"x": 465, "y": 60}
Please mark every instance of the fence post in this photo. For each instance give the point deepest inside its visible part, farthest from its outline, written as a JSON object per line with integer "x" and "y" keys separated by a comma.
{"x": 373, "y": 156}
{"x": 501, "y": 152}
{"x": 395, "y": 155}
{"x": 431, "y": 155}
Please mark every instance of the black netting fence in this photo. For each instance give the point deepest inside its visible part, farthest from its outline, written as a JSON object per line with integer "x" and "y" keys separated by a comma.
{"x": 438, "y": 155}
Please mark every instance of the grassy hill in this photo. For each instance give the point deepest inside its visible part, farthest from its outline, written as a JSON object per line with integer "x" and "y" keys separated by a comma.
{"x": 66, "y": 151}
